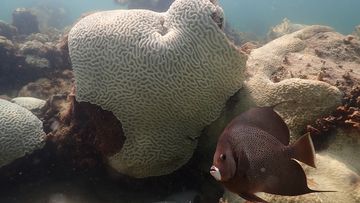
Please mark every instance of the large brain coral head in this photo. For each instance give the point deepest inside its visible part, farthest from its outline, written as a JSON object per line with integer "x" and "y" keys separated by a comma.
{"x": 165, "y": 76}
{"x": 206, "y": 10}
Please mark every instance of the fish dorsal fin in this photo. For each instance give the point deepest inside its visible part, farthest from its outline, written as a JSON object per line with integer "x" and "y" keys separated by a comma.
{"x": 267, "y": 120}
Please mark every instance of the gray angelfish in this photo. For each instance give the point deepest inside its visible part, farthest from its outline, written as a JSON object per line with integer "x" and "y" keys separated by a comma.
{"x": 253, "y": 155}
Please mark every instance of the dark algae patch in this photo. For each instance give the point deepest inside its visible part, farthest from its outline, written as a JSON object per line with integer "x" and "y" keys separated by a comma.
{"x": 346, "y": 116}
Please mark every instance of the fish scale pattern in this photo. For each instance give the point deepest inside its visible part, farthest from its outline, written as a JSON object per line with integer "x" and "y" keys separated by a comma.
{"x": 20, "y": 132}
{"x": 165, "y": 76}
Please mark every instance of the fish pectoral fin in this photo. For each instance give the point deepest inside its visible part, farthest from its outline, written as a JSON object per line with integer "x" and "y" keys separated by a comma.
{"x": 252, "y": 198}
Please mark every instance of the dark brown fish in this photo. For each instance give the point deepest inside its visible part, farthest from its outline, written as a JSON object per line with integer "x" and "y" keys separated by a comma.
{"x": 253, "y": 155}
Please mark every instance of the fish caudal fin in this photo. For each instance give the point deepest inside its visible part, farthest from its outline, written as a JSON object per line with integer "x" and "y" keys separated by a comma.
{"x": 304, "y": 150}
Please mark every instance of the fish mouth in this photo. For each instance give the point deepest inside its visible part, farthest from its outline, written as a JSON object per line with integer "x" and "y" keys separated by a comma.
{"x": 214, "y": 171}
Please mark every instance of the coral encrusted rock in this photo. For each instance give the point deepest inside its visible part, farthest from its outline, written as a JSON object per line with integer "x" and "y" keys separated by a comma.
{"x": 25, "y": 21}
{"x": 357, "y": 31}
{"x": 21, "y": 132}
{"x": 285, "y": 27}
{"x": 308, "y": 98}
{"x": 165, "y": 76}
{"x": 7, "y": 30}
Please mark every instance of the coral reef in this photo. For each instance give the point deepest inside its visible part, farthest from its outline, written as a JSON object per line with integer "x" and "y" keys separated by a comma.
{"x": 44, "y": 51}
{"x": 7, "y": 30}
{"x": 7, "y": 49}
{"x": 165, "y": 76}
{"x": 25, "y": 21}
{"x": 285, "y": 27}
{"x": 357, "y": 31}
{"x": 10, "y": 64}
{"x": 52, "y": 14}
{"x": 20, "y": 132}
{"x": 317, "y": 55}
{"x": 44, "y": 88}
{"x": 25, "y": 59}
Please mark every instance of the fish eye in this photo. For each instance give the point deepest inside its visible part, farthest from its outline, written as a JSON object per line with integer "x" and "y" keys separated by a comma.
{"x": 223, "y": 157}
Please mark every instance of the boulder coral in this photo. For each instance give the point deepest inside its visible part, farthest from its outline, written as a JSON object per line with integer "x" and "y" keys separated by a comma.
{"x": 165, "y": 76}
{"x": 285, "y": 27}
{"x": 308, "y": 98}
{"x": 21, "y": 132}
{"x": 357, "y": 31}
{"x": 30, "y": 103}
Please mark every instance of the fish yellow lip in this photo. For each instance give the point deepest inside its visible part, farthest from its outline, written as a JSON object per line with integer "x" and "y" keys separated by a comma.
{"x": 214, "y": 171}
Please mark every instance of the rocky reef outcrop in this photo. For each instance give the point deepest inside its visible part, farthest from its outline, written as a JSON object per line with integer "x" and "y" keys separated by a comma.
{"x": 285, "y": 27}
{"x": 27, "y": 58}
{"x": 357, "y": 31}
{"x": 25, "y": 21}
{"x": 7, "y": 30}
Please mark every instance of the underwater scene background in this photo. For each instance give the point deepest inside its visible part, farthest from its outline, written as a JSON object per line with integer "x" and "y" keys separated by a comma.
{"x": 246, "y": 16}
{"x": 198, "y": 101}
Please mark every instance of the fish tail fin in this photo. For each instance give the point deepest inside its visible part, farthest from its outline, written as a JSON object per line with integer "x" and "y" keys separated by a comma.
{"x": 304, "y": 150}
{"x": 323, "y": 191}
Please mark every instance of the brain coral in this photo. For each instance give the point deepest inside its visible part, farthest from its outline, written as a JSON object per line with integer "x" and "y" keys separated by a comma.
{"x": 164, "y": 76}
{"x": 29, "y": 103}
{"x": 20, "y": 132}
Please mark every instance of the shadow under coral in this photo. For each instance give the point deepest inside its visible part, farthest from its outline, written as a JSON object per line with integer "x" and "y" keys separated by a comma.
{"x": 73, "y": 163}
